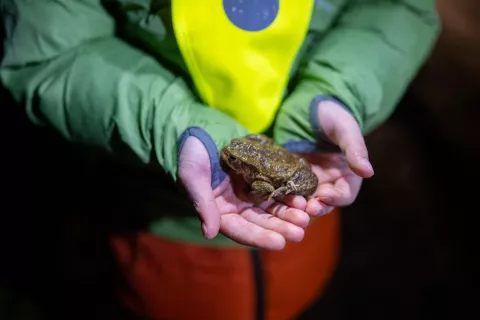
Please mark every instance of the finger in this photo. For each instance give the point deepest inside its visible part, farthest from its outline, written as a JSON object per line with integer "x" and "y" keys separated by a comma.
{"x": 244, "y": 232}
{"x": 293, "y": 201}
{"x": 342, "y": 128}
{"x": 315, "y": 207}
{"x": 286, "y": 213}
{"x": 267, "y": 221}
{"x": 195, "y": 175}
{"x": 352, "y": 143}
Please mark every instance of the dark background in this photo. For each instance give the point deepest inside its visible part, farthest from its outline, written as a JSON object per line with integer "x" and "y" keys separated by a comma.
{"x": 409, "y": 242}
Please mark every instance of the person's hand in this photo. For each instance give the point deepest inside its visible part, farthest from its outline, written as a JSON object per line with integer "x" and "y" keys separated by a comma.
{"x": 340, "y": 175}
{"x": 226, "y": 209}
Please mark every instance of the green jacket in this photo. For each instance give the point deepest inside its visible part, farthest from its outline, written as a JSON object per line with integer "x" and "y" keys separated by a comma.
{"x": 108, "y": 74}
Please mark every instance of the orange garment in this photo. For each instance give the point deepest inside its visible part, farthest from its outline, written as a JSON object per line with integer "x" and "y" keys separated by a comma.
{"x": 174, "y": 280}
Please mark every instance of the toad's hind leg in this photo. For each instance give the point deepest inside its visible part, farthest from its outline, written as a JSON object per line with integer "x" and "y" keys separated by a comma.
{"x": 279, "y": 192}
{"x": 282, "y": 191}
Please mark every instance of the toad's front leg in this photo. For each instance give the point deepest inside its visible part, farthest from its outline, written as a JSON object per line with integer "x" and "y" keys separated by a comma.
{"x": 261, "y": 191}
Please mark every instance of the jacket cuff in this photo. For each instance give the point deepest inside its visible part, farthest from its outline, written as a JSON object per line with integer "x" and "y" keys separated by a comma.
{"x": 218, "y": 174}
{"x": 298, "y": 127}
{"x": 322, "y": 142}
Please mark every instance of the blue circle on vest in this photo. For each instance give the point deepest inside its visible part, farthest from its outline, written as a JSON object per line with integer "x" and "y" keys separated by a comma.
{"x": 251, "y": 15}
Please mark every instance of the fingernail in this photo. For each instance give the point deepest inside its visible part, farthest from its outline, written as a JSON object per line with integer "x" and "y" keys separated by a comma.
{"x": 204, "y": 230}
{"x": 367, "y": 164}
{"x": 319, "y": 212}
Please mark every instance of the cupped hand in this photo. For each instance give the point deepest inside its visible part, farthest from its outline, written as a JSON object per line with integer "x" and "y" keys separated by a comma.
{"x": 226, "y": 209}
{"x": 340, "y": 175}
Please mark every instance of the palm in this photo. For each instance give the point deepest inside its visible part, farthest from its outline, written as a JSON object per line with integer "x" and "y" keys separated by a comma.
{"x": 338, "y": 185}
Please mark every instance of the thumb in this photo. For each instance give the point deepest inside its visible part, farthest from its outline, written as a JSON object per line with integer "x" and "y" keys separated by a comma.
{"x": 342, "y": 129}
{"x": 195, "y": 174}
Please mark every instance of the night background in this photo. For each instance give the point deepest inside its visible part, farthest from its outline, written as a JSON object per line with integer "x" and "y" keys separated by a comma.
{"x": 410, "y": 248}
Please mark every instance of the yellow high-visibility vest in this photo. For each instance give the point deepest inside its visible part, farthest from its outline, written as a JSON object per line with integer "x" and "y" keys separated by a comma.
{"x": 240, "y": 52}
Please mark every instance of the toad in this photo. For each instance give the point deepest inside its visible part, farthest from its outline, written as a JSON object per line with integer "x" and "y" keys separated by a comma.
{"x": 269, "y": 169}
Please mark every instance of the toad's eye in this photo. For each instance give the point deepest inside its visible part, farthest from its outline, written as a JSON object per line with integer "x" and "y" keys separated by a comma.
{"x": 231, "y": 158}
